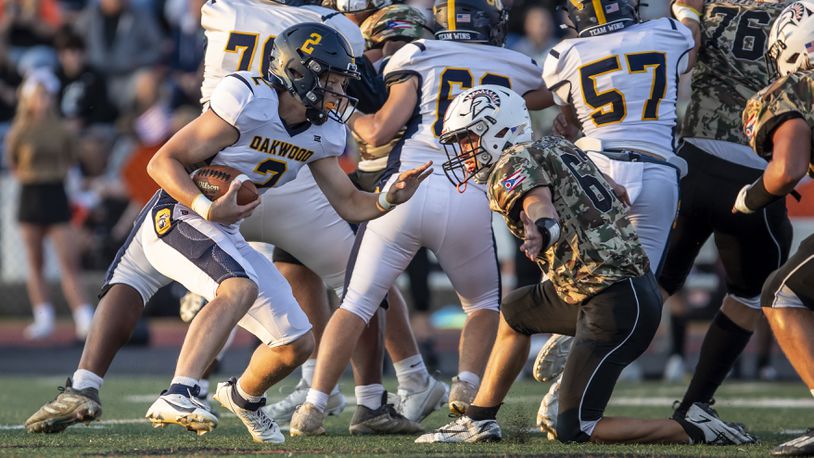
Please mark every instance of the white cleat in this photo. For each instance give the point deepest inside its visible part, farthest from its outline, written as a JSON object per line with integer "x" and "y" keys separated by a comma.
{"x": 262, "y": 428}
{"x": 675, "y": 369}
{"x": 716, "y": 431}
{"x": 186, "y": 411}
{"x": 416, "y": 406}
{"x": 549, "y": 407}
{"x": 550, "y": 361}
{"x": 283, "y": 410}
{"x": 463, "y": 429}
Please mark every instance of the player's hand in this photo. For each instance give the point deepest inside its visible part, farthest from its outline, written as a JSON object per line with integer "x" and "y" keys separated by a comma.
{"x": 740, "y": 202}
{"x": 408, "y": 182}
{"x": 564, "y": 128}
{"x": 618, "y": 190}
{"x": 696, "y": 4}
{"x": 225, "y": 209}
{"x": 533, "y": 241}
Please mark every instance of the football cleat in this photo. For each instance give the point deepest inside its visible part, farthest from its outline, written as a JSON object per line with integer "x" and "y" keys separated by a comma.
{"x": 461, "y": 394}
{"x": 799, "y": 446}
{"x": 182, "y": 410}
{"x": 549, "y": 407}
{"x": 282, "y": 410}
{"x": 384, "y": 420}
{"x": 416, "y": 406}
{"x": 550, "y": 361}
{"x": 307, "y": 421}
{"x": 464, "y": 429}
{"x": 262, "y": 428}
{"x": 707, "y": 428}
{"x": 191, "y": 304}
{"x": 71, "y": 406}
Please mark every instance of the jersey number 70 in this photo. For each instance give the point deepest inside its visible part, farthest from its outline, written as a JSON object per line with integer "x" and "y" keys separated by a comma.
{"x": 245, "y": 43}
{"x": 462, "y": 79}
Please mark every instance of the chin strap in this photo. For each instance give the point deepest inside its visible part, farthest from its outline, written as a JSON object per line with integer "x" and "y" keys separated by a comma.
{"x": 461, "y": 187}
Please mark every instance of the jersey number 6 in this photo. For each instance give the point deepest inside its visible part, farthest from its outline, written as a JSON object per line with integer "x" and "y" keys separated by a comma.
{"x": 462, "y": 79}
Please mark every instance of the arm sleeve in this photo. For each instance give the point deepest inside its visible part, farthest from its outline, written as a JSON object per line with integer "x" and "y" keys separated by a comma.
{"x": 236, "y": 102}
{"x": 402, "y": 64}
{"x": 515, "y": 174}
{"x": 553, "y": 76}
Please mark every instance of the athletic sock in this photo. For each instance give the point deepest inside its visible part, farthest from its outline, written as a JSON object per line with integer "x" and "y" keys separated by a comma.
{"x": 317, "y": 398}
{"x": 412, "y": 374}
{"x": 678, "y": 331}
{"x": 369, "y": 396}
{"x": 308, "y": 368}
{"x": 204, "y": 384}
{"x": 470, "y": 378}
{"x": 184, "y": 386}
{"x": 246, "y": 396}
{"x": 478, "y": 413}
{"x": 722, "y": 345}
{"x": 83, "y": 379}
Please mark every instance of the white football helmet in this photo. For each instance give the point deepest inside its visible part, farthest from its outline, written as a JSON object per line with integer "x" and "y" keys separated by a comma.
{"x": 494, "y": 115}
{"x": 791, "y": 40}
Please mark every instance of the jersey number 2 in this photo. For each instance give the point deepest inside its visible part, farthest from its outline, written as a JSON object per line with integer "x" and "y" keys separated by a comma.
{"x": 462, "y": 79}
{"x": 609, "y": 106}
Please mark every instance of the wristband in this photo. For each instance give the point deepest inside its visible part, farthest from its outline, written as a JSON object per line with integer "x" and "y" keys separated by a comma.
{"x": 202, "y": 206}
{"x": 682, "y": 11}
{"x": 383, "y": 204}
{"x": 550, "y": 230}
{"x": 758, "y": 197}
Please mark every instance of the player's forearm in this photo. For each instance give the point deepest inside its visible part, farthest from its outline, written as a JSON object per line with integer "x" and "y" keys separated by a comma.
{"x": 360, "y": 207}
{"x": 171, "y": 176}
{"x": 539, "y": 99}
{"x": 372, "y": 129}
{"x": 780, "y": 177}
{"x": 791, "y": 154}
{"x": 537, "y": 204}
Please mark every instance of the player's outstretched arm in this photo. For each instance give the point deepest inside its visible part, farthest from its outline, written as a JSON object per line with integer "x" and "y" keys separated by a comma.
{"x": 357, "y": 206}
{"x": 539, "y": 99}
{"x": 791, "y": 154}
{"x": 379, "y": 128}
{"x": 196, "y": 142}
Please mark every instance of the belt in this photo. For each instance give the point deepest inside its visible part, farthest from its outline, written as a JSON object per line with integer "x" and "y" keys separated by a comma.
{"x": 628, "y": 155}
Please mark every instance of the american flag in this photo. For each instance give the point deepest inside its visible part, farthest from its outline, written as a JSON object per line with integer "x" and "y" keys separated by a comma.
{"x": 396, "y": 24}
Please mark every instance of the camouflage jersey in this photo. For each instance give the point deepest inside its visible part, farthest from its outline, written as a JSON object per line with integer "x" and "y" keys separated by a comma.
{"x": 730, "y": 66}
{"x": 598, "y": 245}
{"x": 791, "y": 96}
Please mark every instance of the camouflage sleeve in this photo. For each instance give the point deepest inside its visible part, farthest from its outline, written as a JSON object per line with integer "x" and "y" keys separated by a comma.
{"x": 767, "y": 110}
{"x": 516, "y": 173}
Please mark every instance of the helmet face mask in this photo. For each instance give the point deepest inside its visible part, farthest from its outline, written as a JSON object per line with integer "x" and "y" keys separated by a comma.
{"x": 791, "y": 40}
{"x": 479, "y": 125}
{"x": 306, "y": 59}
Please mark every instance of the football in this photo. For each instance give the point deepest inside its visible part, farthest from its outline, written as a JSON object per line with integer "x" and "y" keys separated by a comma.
{"x": 213, "y": 181}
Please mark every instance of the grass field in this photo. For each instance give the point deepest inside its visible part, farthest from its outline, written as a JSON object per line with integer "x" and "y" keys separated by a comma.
{"x": 773, "y": 411}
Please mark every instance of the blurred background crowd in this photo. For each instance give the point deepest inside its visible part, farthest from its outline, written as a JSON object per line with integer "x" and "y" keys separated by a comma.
{"x": 90, "y": 89}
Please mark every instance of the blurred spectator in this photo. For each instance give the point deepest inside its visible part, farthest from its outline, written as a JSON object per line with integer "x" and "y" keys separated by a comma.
{"x": 539, "y": 34}
{"x": 28, "y": 23}
{"x": 147, "y": 117}
{"x": 83, "y": 96}
{"x": 41, "y": 162}
{"x": 9, "y": 80}
{"x": 120, "y": 39}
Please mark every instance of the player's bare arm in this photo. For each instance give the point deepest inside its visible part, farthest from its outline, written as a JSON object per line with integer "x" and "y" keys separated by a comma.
{"x": 536, "y": 205}
{"x": 791, "y": 154}
{"x": 379, "y": 128}
{"x": 358, "y": 206}
{"x": 689, "y": 12}
{"x": 539, "y": 99}
{"x": 196, "y": 142}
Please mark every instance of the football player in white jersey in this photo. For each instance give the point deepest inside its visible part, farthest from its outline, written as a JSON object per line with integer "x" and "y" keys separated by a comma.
{"x": 250, "y": 121}
{"x": 422, "y": 79}
{"x": 619, "y": 78}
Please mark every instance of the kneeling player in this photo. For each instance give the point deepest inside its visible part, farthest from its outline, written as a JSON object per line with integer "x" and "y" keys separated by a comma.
{"x": 779, "y": 122}
{"x": 599, "y": 287}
